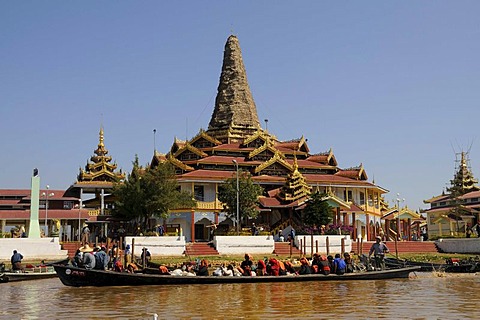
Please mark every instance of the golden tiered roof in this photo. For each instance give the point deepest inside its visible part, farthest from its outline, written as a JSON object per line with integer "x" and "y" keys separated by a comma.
{"x": 100, "y": 169}
{"x": 295, "y": 187}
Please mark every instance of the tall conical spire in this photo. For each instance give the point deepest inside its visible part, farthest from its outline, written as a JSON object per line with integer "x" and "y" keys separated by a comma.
{"x": 235, "y": 115}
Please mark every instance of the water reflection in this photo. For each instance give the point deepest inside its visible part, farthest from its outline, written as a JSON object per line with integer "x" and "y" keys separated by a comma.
{"x": 426, "y": 297}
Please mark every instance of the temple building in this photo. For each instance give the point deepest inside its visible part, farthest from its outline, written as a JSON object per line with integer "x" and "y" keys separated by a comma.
{"x": 457, "y": 209}
{"x": 287, "y": 170}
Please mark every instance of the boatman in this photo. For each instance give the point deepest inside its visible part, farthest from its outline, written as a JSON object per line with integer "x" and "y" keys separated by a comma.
{"x": 379, "y": 249}
{"x": 16, "y": 260}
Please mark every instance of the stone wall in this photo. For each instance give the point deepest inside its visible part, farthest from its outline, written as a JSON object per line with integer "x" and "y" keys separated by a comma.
{"x": 471, "y": 245}
{"x": 32, "y": 249}
{"x": 238, "y": 245}
{"x": 159, "y": 246}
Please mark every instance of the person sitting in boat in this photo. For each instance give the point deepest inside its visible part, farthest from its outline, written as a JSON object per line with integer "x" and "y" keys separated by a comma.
{"x": 16, "y": 260}
{"x": 316, "y": 264}
{"x": 77, "y": 260}
{"x": 247, "y": 265}
{"x": 101, "y": 258}
{"x": 349, "y": 262}
{"x": 324, "y": 267}
{"x": 378, "y": 249}
{"x": 88, "y": 257}
{"x": 163, "y": 270}
{"x": 339, "y": 265}
{"x": 289, "y": 268}
{"x": 146, "y": 256}
{"x": 203, "y": 268}
{"x": 261, "y": 268}
{"x": 304, "y": 267}
{"x": 273, "y": 267}
{"x": 131, "y": 267}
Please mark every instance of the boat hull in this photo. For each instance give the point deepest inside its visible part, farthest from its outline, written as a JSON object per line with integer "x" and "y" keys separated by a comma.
{"x": 78, "y": 277}
{"x": 25, "y": 276}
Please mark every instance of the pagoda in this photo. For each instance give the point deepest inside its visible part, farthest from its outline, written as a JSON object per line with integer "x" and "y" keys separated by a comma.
{"x": 96, "y": 179}
{"x": 100, "y": 169}
{"x": 287, "y": 170}
{"x": 459, "y": 207}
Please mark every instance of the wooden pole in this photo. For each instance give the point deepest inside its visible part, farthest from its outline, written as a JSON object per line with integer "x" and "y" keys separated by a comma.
{"x": 301, "y": 247}
{"x": 304, "y": 245}
{"x": 396, "y": 246}
{"x": 343, "y": 246}
{"x": 316, "y": 245}
{"x": 311, "y": 245}
{"x": 327, "y": 243}
{"x": 133, "y": 249}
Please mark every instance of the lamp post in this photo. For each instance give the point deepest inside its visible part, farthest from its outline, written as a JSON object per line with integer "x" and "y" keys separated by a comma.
{"x": 46, "y": 195}
{"x": 399, "y": 233}
{"x": 238, "y": 197}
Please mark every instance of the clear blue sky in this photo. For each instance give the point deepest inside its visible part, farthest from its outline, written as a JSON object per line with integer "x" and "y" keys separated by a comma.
{"x": 391, "y": 84}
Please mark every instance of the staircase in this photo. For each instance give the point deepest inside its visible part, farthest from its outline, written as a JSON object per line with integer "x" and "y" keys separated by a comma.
{"x": 283, "y": 249}
{"x": 71, "y": 247}
{"x": 403, "y": 246}
{"x": 200, "y": 249}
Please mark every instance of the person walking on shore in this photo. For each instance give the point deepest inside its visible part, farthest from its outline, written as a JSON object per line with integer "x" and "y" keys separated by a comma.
{"x": 379, "y": 249}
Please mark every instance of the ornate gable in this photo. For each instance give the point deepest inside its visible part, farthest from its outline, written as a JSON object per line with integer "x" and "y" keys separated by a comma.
{"x": 179, "y": 164}
{"x": 263, "y": 153}
{"x": 189, "y": 153}
{"x": 277, "y": 166}
{"x": 327, "y": 158}
{"x": 203, "y": 140}
{"x": 298, "y": 145}
{"x": 356, "y": 173}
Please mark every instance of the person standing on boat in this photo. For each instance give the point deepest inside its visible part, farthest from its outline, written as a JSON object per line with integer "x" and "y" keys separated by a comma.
{"x": 85, "y": 234}
{"x": 379, "y": 249}
{"x": 16, "y": 260}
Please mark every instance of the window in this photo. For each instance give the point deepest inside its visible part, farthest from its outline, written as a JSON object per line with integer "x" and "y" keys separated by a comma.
{"x": 347, "y": 195}
{"x": 199, "y": 193}
{"x": 67, "y": 204}
{"x": 362, "y": 198}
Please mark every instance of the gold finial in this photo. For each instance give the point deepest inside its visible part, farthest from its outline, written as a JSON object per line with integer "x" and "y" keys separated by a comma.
{"x": 101, "y": 143}
{"x": 295, "y": 163}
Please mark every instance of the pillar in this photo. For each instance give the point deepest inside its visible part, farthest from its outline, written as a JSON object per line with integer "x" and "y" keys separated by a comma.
{"x": 367, "y": 227}
{"x": 192, "y": 225}
{"x": 34, "y": 230}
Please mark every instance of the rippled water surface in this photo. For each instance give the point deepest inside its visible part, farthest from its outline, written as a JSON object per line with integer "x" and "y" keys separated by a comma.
{"x": 425, "y": 296}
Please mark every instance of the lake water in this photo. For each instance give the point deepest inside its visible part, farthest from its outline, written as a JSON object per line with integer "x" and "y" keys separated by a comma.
{"x": 424, "y": 296}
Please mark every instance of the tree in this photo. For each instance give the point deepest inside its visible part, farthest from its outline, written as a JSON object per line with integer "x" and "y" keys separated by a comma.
{"x": 248, "y": 196}
{"x": 317, "y": 212}
{"x": 149, "y": 192}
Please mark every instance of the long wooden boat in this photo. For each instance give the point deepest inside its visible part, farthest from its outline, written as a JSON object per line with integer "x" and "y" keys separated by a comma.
{"x": 35, "y": 273}
{"x": 468, "y": 266}
{"x": 79, "y": 277}
{"x": 424, "y": 266}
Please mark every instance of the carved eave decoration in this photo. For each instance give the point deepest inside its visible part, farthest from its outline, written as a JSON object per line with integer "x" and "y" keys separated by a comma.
{"x": 177, "y": 145}
{"x": 278, "y": 157}
{"x": 204, "y": 135}
{"x": 264, "y": 147}
{"x": 179, "y": 163}
{"x": 327, "y": 158}
{"x": 189, "y": 147}
{"x": 157, "y": 159}
{"x": 335, "y": 201}
{"x": 357, "y": 173}
{"x": 298, "y": 145}
{"x": 259, "y": 134}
